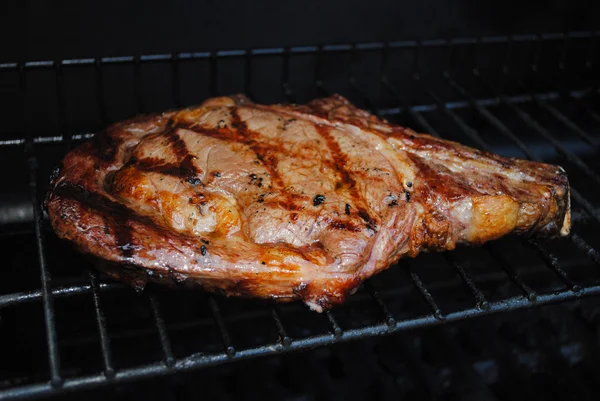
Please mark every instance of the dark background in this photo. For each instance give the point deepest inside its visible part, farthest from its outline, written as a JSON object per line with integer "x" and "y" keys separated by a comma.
{"x": 67, "y": 29}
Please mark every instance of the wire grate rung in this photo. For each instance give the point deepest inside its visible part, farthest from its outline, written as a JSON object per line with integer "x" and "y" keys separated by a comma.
{"x": 418, "y": 283}
{"x": 229, "y": 349}
{"x": 49, "y": 316}
{"x": 109, "y": 369}
{"x": 162, "y": 331}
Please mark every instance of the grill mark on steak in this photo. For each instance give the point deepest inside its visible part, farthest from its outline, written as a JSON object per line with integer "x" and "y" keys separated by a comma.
{"x": 266, "y": 151}
{"x": 339, "y": 163}
{"x": 187, "y": 169}
{"x": 115, "y": 215}
{"x": 156, "y": 165}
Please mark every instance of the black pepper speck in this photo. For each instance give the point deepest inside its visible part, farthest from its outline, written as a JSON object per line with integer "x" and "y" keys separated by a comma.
{"x": 203, "y": 250}
{"x": 318, "y": 200}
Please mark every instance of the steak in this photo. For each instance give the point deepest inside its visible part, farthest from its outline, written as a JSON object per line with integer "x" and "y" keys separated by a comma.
{"x": 287, "y": 201}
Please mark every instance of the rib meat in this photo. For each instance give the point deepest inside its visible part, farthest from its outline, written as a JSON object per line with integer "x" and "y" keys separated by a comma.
{"x": 286, "y": 201}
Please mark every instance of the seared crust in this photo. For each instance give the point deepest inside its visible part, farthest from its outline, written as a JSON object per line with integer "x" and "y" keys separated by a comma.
{"x": 287, "y": 202}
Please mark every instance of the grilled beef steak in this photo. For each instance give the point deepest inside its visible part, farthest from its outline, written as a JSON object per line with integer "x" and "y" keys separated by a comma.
{"x": 287, "y": 202}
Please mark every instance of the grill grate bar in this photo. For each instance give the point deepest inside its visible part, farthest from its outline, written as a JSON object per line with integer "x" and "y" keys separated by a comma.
{"x": 162, "y": 330}
{"x": 337, "y": 330}
{"x": 586, "y": 248}
{"x": 480, "y": 300}
{"x": 109, "y": 370}
{"x": 389, "y": 318}
{"x": 213, "y": 90}
{"x": 567, "y": 154}
{"x": 414, "y": 113}
{"x": 564, "y": 93}
{"x": 100, "y": 94}
{"x": 286, "y": 87}
{"x": 418, "y": 283}
{"x": 470, "y": 132}
{"x": 32, "y": 296}
{"x": 414, "y": 110}
{"x": 197, "y": 361}
{"x": 229, "y": 349}
{"x": 176, "y": 91}
{"x": 345, "y": 47}
{"x": 286, "y": 341}
{"x": 552, "y": 262}
{"x": 511, "y": 272}
{"x": 48, "y": 305}
{"x": 60, "y": 103}
{"x": 137, "y": 81}
{"x": 568, "y": 123}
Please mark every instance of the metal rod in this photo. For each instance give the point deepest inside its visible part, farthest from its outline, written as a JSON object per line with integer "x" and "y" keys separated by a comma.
{"x": 593, "y": 142}
{"x": 49, "y": 317}
{"x": 480, "y": 300}
{"x": 175, "y": 81}
{"x": 552, "y": 262}
{"x": 100, "y": 93}
{"x": 214, "y": 71}
{"x": 511, "y": 272}
{"x": 137, "y": 78}
{"x": 32, "y": 296}
{"x": 286, "y": 87}
{"x": 197, "y": 361}
{"x": 337, "y": 330}
{"x": 415, "y": 114}
{"x": 162, "y": 331}
{"x": 318, "y": 78}
{"x": 565, "y": 93}
{"x": 60, "y": 104}
{"x": 389, "y": 318}
{"x": 586, "y": 248}
{"x": 109, "y": 369}
{"x": 470, "y": 132}
{"x": 437, "y": 312}
{"x": 49, "y": 139}
{"x": 286, "y": 341}
{"x": 406, "y": 44}
{"x": 229, "y": 349}
{"x": 248, "y": 72}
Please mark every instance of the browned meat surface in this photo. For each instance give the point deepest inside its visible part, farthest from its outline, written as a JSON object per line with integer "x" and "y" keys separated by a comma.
{"x": 287, "y": 202}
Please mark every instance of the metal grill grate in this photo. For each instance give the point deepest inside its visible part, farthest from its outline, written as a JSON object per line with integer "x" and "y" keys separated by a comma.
{"x": 539, "y": 84}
